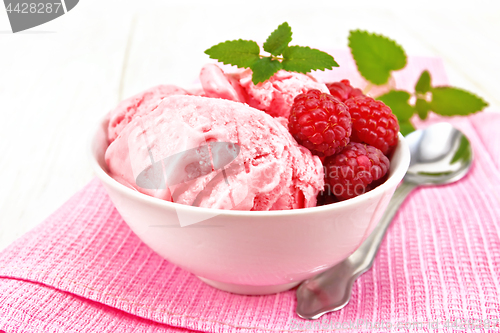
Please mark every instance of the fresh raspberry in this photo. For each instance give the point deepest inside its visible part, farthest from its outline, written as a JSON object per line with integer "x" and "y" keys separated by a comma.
{"x": 320, "y": 123}
{"x": 373, "y": 123}
{"x": 343, "y": 90}
{"x": 352, "y": 171}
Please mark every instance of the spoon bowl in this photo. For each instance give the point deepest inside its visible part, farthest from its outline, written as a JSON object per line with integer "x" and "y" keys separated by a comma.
{"x": 440, "y": 154}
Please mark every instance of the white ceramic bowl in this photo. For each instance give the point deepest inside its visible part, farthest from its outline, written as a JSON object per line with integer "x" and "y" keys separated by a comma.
{"x": 251, "y": 252}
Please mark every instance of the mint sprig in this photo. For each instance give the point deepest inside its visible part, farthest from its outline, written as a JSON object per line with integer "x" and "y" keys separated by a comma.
{"x": 241, "y": 53}
{"x": 303, "y": 59}
{"x": 449, "y": 101}
{"x": 377, "y": 57}
{"x": 278, "y": 40}
{"x": 246, "y": 54}
{"x": 424, "y": 83}
{"x": 422, "y": 107}
{"x": 445, "y": 101}
{"x": 398, "y": 102}
{"x": 264, "y": 68}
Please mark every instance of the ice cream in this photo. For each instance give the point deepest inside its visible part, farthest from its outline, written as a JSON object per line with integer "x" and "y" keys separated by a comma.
{"x": 215, "y": 153}
{"x": 217, "y": 84}
{"x": 274, "y": 96}
{"x": 138, "y": 105}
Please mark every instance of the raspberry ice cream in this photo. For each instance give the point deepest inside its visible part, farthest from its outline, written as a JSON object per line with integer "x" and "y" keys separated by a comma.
{"x": 274, "y": 96}
{"x": 138, "y": 105}
{"x": 217, "y": 84}
{"x": 215, "y": 153}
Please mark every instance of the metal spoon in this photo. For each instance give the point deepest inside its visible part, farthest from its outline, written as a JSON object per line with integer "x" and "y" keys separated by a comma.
{"x": 440, "y": 154}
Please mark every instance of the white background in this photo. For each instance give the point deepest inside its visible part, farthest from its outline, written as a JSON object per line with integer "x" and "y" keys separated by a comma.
{"x": 58, "y": 79}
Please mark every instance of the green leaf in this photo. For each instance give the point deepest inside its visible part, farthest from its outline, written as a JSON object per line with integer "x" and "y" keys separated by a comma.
{"x": 376, "y": 56}
{"x": 264, "y": 68}
{"x": 303, "y": 59}
{"x": 424, "y": 83}
{"x": 278, "y": 41}
{"x": 450, "y": 101}
{"x": 397, "y": 100}
{"x": 422, "y": 107}
{"x": 406, "y": 128}
{"x": 240, "y": 53}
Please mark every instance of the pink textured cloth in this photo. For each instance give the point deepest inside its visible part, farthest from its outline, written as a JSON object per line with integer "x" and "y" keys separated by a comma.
{"x": 83, "y": 269}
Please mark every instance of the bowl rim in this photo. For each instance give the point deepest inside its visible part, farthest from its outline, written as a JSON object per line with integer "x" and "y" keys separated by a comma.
{"x": 398, "y": 172}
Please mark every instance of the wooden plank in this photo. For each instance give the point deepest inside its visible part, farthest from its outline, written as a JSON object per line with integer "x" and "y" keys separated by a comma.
{"x": 55, "y": 87}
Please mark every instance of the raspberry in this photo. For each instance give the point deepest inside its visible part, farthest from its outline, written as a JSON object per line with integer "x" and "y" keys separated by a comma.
{"x": 320, "y": 123}
{"x": 343, "y": 90}
{"x": 350, "y": 172}
{"x": 373, "y": 123}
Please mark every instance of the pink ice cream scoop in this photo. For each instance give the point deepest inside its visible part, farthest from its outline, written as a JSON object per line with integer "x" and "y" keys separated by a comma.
{"x": 274, "y": 96}
{"x": 138, "y": 105}
{"x": 215, "y": 153}
{"x": 217, "y": 84}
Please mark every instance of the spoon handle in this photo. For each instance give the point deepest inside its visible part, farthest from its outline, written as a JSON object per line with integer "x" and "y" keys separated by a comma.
{"x": 331, "y": 290}
{"x": 362, "y": 259}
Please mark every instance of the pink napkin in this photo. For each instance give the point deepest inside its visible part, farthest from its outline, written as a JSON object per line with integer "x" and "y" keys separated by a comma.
{"x": 83, "y": 269}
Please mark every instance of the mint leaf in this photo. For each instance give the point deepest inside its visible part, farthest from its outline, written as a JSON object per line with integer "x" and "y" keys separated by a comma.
{"x": 264, "y": 68}
{"x": 246, "y": 53}
{"x": 450, "y": 101}
{"x": 406, "y": 127}
{"x": 240, "y": 53}
{"x": 375, "y": 55}
{"x": 422, "y": 107}
{"x": 278, "y": 41}
{"x": 397, "y": 100}
{"x": 424, "y": 83}
{"x": 303, "y": 59}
